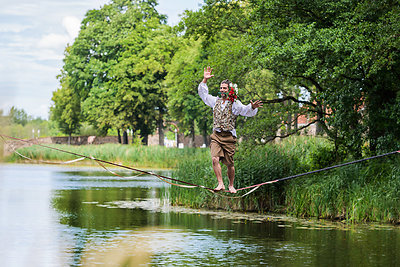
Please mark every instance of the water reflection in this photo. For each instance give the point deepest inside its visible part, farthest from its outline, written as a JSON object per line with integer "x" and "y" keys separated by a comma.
{"x": 53, "y": 216}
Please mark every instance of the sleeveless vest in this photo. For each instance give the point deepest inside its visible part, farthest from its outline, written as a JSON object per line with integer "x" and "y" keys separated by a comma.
{"x": 224, "y": 118}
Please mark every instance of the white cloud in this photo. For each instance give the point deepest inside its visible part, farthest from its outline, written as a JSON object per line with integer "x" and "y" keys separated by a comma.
{"x": 55, "y": 43}
{"x": 13, "y": 28}
{"x": 72, "y": 25}
{"x": 53, "y": 40}
{"x": 19, "y": 9}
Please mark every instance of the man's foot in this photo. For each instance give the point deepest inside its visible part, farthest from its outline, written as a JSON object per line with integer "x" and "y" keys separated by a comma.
{"x": 232, "y": 190}
{"x": 219, "y": 188}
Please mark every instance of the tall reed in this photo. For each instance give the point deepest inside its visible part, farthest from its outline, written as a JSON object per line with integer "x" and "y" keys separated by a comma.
{"x": 139, "y": 156}
{"x": 358, "y": 193}
{"x": 368, "y": 191}
{"x": 252, "y": 165}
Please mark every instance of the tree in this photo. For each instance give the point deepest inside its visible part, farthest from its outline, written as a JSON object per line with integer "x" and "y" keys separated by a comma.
{"x": 105, "y": 66}
{"x": 346, "y": 55}
{"x": 18, "y": 116}
{"x": 66, "y": 109}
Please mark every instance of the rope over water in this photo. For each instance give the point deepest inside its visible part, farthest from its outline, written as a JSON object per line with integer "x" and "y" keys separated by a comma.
{"x": 183, "y": 184}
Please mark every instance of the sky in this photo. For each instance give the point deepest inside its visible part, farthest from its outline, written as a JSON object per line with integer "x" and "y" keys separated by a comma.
{"x": 33, "y": 36}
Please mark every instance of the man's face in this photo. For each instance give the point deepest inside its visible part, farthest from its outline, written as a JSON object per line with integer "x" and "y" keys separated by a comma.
{"x": 224, "y": 89}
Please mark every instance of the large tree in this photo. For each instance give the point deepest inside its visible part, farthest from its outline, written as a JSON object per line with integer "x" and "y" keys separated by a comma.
{"x": 346, "y": 55}
{"x": 223, "y": 28}
{"x": 105, "y": 65}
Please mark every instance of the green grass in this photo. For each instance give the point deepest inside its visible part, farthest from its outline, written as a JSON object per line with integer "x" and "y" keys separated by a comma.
{"x": 363, "y": 192}
{"x": 357, "y": 193}
{"x": 252, "y": 166}
{"x": 136, "y": 156}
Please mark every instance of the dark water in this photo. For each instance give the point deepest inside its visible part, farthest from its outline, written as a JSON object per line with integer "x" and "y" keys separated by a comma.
{"x": 70, "y": 216}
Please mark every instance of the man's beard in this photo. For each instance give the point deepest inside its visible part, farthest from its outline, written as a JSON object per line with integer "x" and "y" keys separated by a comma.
{"x": 223, "y": 94}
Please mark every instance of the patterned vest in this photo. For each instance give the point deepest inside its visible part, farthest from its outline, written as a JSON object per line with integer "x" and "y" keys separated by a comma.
{"x": 224, "y": 118}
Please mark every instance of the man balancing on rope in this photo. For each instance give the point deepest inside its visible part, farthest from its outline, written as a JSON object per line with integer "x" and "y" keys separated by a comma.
{"x": 223, "y": 139}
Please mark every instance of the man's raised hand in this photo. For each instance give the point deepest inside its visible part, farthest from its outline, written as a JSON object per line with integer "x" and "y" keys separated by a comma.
{"x": 207, "y": 74}
{"x": 256, "y": 104}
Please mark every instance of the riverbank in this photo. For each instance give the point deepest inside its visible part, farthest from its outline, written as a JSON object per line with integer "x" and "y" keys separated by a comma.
{"x": 363, "y": 192}
{"x": 150, "y": 157}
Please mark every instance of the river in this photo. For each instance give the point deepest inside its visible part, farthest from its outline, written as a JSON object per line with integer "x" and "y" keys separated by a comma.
{"x": 82, "y": 216}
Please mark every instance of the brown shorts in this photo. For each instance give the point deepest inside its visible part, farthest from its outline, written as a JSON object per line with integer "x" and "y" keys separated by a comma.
{"x": 223, "y": 145}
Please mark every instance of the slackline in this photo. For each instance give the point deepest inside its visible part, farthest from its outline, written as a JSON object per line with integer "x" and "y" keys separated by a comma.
{"x": 181, "y": 182}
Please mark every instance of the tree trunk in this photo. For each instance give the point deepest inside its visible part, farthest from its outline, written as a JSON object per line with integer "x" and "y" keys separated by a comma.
{"x": 318, "y": 128}
{"x": 145, "y": 140}
{"x": 205, "y": 137}
{"x": 192, "y": 136}
{"x": 119, "y": 137}
{"x": 289, "y": 123}
{"x": 69, "y": 139}
{"x": 125, "y": 137}
{"x": 160, "y": 130}
{"x": 177, "y": 138}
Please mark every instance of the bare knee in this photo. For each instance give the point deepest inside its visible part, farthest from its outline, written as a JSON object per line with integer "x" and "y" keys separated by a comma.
{"x": 215, "y": 160}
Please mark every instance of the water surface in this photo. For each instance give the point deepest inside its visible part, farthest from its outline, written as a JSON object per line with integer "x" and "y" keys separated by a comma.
{"x": 80, "y": 216}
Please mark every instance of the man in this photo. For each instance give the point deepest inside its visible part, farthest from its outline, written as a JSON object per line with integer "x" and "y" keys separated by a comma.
{"x": 223, "y": 139}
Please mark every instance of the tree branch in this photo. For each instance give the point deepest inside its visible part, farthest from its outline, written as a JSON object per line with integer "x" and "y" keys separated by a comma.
{"x": 311, "y": 80}
{"x": 271, "y": 138}
{"x": 280, "y": 100}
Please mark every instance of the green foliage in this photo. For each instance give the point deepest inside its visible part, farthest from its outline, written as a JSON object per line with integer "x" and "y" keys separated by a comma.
{"x": 117, "y": 64}
{"x": 223, "y": 28}
{"x": 325, "y": 156}
{"x": 184, "y": 74}
{"x": 345, "y": 54}
{"x": 18, "y": 116}
{"x": 216, "y": 16}
{"x": 66, "y": 110}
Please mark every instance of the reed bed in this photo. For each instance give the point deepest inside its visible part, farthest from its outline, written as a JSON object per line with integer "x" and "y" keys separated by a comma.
{"x": 136, "y": 156}
{"x": 358, "y": 193}
{"x": 363, "y": 192}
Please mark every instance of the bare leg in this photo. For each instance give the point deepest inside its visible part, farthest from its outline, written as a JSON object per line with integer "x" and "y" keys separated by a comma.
{"x": 231, "y": 176}
{"x": 217, "y": 170}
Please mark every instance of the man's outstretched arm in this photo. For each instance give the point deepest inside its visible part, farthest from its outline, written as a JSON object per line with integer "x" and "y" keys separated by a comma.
{"x": 249, "y": 110}
{"x": 208, "y": 99}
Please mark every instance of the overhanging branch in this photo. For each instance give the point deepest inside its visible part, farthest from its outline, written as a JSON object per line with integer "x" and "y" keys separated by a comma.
{"x": 280, "y": 100}
{"x": 271, "y": 138}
